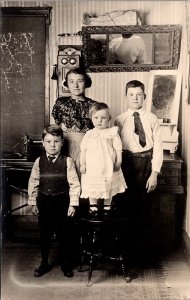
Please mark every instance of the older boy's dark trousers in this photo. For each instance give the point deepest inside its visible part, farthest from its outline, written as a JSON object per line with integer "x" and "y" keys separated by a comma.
{"x": 136, "y": 170}
{"x": 53, "y": 218}
{"x": 135, "y": 203}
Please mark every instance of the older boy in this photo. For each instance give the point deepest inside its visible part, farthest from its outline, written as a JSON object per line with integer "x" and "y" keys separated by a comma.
{"x": 142, "y": 155}
{"x": 54, "y": 191}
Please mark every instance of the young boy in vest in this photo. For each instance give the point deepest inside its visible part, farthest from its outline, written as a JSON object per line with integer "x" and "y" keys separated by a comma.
{"x": 142, "y": 156}
{"x": 54, "y": 191}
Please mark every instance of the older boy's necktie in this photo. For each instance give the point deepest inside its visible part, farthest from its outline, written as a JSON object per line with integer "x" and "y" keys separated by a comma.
{"x": 51, "y": 158}
{"x": 139, "y": 129}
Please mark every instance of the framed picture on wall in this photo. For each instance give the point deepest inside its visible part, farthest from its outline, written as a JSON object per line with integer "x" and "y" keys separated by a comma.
{"x": 164, "y": 95}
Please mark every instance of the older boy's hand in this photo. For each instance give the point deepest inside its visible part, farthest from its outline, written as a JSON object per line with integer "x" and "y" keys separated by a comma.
{"x": 152, "y": 182}
{"x": 71, "y": 211}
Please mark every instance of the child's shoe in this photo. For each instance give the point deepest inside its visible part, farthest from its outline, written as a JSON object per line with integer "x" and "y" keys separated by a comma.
{"x": 67, "y": 270}
{"x": 93, "y": 211}
{"x": 41, "y": 270}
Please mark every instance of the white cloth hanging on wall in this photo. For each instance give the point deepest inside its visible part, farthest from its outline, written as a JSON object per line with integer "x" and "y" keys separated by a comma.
{"x": 114, "y": 18}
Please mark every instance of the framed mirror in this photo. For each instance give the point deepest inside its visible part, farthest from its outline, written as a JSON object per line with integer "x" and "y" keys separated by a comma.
{"x": 131, "y": 48}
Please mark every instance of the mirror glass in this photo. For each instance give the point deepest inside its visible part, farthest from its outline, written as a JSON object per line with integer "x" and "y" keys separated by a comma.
{"x": 98, "y": 48}
{"x": 162, "y": 48}
{"x": 131, "y": 48}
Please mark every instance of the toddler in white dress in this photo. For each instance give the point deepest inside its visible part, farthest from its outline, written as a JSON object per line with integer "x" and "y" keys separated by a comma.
{"x": 100, "y": 159}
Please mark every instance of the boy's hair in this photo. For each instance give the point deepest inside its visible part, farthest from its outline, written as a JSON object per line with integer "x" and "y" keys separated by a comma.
{"x": 133, "y": 84}
{"x": 53, "y": 129}
{"x": 87, "y": 79}
{"x": 99, "y": 106}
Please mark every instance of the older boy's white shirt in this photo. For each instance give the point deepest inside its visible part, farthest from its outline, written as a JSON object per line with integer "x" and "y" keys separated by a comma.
{"x": 130, "y": 140}
{"x": 72, "y": 177}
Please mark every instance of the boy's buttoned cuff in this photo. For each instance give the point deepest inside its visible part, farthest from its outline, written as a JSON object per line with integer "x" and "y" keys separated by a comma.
{"x": 74, "y": 201}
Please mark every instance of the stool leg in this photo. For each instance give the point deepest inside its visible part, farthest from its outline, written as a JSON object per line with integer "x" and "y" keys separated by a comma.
{"x": 127, "y": 276}
{"x": 91, "y": 263}
{"x": 81, "y": 269}
{"x": 83, "y": 254}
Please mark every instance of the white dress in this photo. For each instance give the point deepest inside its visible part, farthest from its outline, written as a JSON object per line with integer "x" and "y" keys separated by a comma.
{"x": 100, "y": 181}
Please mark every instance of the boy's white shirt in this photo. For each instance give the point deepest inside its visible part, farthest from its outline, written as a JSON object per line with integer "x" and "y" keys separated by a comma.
{"x": 72, "y": 177}
{"x": 130, "y": 141}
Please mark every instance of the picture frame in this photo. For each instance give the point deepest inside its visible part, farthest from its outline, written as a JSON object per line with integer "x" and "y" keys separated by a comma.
{"x": 163, "y": 97}
{"x": 163, "y": 100}
{"x": 161, "y": 46}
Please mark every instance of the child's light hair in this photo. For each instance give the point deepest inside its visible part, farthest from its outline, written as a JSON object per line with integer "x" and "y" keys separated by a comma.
{"x": 99, "y": 106}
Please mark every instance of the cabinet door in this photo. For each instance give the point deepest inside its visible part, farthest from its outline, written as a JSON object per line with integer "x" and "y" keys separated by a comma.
{"x": 23, "y": 42}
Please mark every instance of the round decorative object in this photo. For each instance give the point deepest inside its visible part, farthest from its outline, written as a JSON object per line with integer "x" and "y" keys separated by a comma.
{"x": 64, "y": 61}
{"x": 72, "y": 61}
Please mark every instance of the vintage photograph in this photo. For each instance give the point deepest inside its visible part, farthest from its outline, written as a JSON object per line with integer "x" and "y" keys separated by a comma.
{"x": 95, "y": 152}
{"x": 164, "y": 95}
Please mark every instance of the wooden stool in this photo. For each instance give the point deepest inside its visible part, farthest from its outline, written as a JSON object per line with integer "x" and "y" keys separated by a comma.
{"x": 98, "y": 233}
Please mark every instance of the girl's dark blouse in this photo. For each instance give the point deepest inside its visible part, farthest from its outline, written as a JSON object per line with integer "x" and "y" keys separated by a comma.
{"x": 73, "y": 115}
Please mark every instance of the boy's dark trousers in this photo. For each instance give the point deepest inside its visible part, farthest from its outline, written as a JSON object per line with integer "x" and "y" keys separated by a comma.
{"x": 137, "y": 203}
{"x": 53, "y": 218}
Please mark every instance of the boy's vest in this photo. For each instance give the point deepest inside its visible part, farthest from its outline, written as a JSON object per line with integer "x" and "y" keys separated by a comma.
{"x": 53, "y": 176}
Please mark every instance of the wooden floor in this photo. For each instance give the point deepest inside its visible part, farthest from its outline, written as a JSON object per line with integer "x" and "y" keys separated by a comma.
{"x": 169, "y": 281}
{"x": 177, "y": 268}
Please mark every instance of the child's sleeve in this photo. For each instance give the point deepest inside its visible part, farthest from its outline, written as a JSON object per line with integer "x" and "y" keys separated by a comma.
{"x": 74, "y": 184}
{"x": 117, "y": 143}
{"x": 83, "y": 145}
{"x": 33, "y": 184}
{"x": 119, "y": 121}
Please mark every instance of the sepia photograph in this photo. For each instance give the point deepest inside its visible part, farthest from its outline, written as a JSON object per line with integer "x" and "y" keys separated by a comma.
{"x": 164, "y": 95}
{"x": 95, "y": 149}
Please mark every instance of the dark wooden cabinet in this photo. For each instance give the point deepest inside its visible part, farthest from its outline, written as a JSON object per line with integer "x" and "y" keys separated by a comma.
{"x": 168, "y": 195}
{"x": 169, "y": 180}
{"x": 15, "y": 176}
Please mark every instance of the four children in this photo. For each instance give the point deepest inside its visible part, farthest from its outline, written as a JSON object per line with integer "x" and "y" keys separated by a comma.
{"x": 54, "y": 187}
